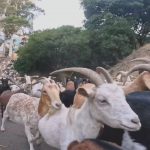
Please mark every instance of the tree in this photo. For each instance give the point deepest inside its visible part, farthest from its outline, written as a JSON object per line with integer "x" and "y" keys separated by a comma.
{"x": 112, "y": 37}
{"x": 13, "y": 23}
{"x": 112, "y": 42}
{"x": 137, "y": 12}
{"x": 15, "y": 14}
{"x": 53, "y": 49}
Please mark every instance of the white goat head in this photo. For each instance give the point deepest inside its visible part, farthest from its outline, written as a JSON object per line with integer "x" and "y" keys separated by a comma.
{"x": 109, "y": 106}
{"x": 14, "y": 88}
{"x": 36, "y": 89}
{"x": 107, "y": 103}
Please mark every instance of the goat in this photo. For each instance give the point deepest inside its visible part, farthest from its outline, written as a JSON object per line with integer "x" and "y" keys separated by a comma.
{"x": 4, "y": 98}
{"x": 35, "y": 86}
{"x": 14, "y": 88}
{"x": 141, "y": 83}
{"x": 36, "y": 89}
{"x": 4, "y": 86}
{"x": 129, "y": 144}
{"x": 140, "y": 103}
{"x": 121, "y": 75}
{"x": 66, "y": 95}
{"x": 93, "y": 144}
{"x": 96, "y": 144}
{"x": 27, "y": 110}
{"x": 29, "y": 86}
{"x": 105, "y": 104}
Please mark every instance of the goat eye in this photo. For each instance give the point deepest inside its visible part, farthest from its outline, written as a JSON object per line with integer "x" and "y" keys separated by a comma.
{"x": 44, "y": 92}
{"x": 103, "y": 101}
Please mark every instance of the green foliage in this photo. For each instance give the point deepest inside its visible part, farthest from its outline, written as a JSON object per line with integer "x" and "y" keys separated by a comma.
{"x": 52, "y": 49}
{"x": 113, "y": 41}
{"x": 17, "y": 13}
{"x": 13, "y": 23}
{"x": 112, "y": 29}
{"x": 137, "y": 12}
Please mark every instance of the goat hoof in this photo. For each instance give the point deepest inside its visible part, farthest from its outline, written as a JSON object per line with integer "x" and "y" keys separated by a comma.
{"x": 2, "y": 129}
{"x": 38, "y": 141}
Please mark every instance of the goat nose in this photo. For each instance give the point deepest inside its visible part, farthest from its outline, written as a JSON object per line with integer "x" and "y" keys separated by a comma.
{"x": 135, "y": 120}
{"x": 58, "y": 105}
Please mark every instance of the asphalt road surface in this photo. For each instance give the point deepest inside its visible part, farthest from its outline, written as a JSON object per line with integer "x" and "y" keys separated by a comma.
{"x": 14, "y": 138}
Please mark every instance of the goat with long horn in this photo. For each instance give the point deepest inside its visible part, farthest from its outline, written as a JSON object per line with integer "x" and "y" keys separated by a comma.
{"x": 104, "y": 104}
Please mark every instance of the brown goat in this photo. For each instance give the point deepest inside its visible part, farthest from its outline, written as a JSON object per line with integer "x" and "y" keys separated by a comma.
{"x": 93, "y": 145}
{"x": 45, "y": 105}
{"x": 141, "y": 83}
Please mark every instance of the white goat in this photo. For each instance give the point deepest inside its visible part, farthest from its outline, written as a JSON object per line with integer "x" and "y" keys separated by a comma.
{"x": 129, "y": 144}
{"x": 14, "y": 88}
{"x": 105, "y": 104}
{"x": 36, "y": 89}
{"x": 24, "y": 109}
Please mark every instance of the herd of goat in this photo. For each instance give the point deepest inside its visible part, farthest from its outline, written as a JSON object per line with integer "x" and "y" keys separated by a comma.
{"x": 99, "y": 115}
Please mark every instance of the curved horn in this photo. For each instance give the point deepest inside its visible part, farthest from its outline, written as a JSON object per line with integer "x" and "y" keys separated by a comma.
{"x": 145, "y": 67}
{"x": 92, "y": 75}
{"x": 145, "y": 60}
{"x": 105, "y": 73}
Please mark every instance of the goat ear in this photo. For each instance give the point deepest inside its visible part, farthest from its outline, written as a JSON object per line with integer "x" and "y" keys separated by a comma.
{"x": 86, "y": 92}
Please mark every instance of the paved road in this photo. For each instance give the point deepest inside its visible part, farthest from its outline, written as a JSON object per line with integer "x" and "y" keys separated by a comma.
{"x": 15, "y": 139}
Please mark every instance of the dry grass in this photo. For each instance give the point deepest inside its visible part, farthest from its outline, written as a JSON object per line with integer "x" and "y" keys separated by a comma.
{"x": 125, "y": 64}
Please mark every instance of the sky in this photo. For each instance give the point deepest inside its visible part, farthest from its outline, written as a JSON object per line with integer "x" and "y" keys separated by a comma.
{"x": 58, "y": 13}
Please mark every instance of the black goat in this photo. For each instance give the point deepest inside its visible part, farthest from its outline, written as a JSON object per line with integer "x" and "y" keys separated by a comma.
{"x": 140, "y": 103}
{"x": 4, "y": 86}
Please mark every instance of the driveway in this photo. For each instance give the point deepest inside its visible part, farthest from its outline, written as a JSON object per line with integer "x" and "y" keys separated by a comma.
{"x": 14, "y": 138}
